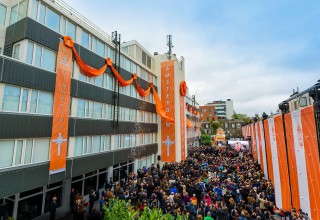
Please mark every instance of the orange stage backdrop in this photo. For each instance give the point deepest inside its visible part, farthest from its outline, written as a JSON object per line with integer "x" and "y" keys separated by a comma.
{"x": 168, "y": 145}
{"x": 61, "y": 105}
{"x": 183, "y": 128}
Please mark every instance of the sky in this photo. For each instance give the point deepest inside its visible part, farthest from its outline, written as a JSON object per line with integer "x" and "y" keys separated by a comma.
{"x": 254, "y": 52}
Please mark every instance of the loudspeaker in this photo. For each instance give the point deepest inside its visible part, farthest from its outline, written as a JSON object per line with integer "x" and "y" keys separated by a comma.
{"x": 159, "y": 157}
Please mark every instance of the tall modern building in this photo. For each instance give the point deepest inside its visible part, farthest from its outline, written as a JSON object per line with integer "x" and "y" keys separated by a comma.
{"x": 219, "y": 110}
{"x": 108, "y": 130}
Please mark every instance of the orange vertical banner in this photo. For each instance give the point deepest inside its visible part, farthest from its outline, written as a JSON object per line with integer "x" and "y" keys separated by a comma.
{"x": 61, "y": 105}
{"x": 312, "y": 159}
{"x": 268, "y": 150}
{"x": 183, "y": 128}
{"x": 295, "y": 195}
{"x": 283, "y": 165}
{"x": 168, "y": 145}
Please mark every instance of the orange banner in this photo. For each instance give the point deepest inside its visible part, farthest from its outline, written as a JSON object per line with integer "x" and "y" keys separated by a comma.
{"x": 61, "y": 106}
{"x": 268, "y": 150}
{"x": 168, "y": 148}
{"x": 283, "y": 165}
{"x": 295, "y": 196}
{"x": 183, "y": 128}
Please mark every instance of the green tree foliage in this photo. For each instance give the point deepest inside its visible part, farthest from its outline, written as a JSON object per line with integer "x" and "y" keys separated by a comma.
{"x": 214, "y": 126}
{"x": 244, "y": 117}
{"x": 206, "y": 139}
{"x": 120, "y": 210}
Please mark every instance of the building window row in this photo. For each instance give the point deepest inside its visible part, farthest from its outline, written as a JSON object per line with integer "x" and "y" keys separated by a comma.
{"x": 35, "y": 54}
{"x": 23, "y": 151}
{"x": 18, "y": 11}
{"x": 101, "y": 143}
{"x": 145, "y": 162}
{"x": 24, "y": 100}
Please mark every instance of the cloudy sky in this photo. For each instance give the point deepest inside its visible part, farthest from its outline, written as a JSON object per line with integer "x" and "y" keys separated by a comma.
{"x": 253, "y": 52}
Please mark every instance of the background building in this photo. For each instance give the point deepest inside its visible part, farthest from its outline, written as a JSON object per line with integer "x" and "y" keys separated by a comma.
{"x": 222, "y": 110}
{"x": 232, "y": 127}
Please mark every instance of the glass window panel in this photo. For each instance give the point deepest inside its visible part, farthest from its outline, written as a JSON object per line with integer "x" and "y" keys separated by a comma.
{"x": 28, "y": 151}
{"x": 48, "y": 60}
{"x": 96, "y": 144}
{"x": 126, "y": 141}
{"x": 37, "y": 59}
{"x": 13, "y": 14}
{"x": 71, "y": 30}
{"x": 19, "y": 146}
{"x": 89, "y": 145}
{"x": 6, "y": 152}
{"x": 98, "y": 80}
{"x": 126, "y": 114}
{"x": 22, "y": 9}
{"x": 128, "y": 65}
{"x": 81, "y": 108}
{"x": 41, "y": 149}
{"x": 97, "y": 110}
{"x": 11, "y": 98}
{"x": 100, "y": 48}
{"x": 33, "y": 104}
{"x": 24, "y": 100}
{"x": 107, "y": 143}
{"x": 90, "y": 113}
{"x": 102, "y": 143}
{"x": 111, "y": 53}
{"x": 42, "y": 13}
{"x": 110, "y": 82}
{"x": 85, "y": 39}
{"x": 3, "y": 13}
{"x": 29, "y": 52}
{"x": 34, "y": 9}
{"x": 78, "y": 146}
{"x": 85, "y": 144}
{"x": 82, "y": 77}
{"x": 108, "y": 112}
{"x": 16, "y": 50}
{"x": 116, "y": 141}
{"x": 127, "y": 90}
{"x": 86, "y": 109}
{"x": 52, "y": 20}
{"x": 94, "y": 44}
{"x": 45, "y": 103}
{"x": 63, "y": 26}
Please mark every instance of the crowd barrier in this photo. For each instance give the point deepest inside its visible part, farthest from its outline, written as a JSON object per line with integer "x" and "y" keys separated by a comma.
{"x": 286, "y": 148}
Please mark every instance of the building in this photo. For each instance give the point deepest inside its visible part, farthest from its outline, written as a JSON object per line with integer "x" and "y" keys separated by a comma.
{"x": 111, "y": 131}
{"x": 193, "y": 115}
{"x": 220, "y": 109}
{"x": 208, "y": 113}
{"x": 232, "y": 127}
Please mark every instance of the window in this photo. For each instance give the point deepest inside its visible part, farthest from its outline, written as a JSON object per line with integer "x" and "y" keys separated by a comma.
{"x": 100, "y": 48}
{"x": 23, "y": 151}
{"x": 3, "y": 14}
{"x": 303, "y": 101}
{"x": 71, "y": 30}
{"x": 41, "y": 57}
{"x": 18, "y": 99}
{"x": 53, "y": 20}
{"x": 85, "y": 39}
{"x": 14, "y": 14}
{"x": 16, "y": 50}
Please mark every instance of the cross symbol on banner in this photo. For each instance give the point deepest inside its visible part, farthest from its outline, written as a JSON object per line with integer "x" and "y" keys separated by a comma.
{"x": 59, "y": 141}
{"x": 168, "y": 142}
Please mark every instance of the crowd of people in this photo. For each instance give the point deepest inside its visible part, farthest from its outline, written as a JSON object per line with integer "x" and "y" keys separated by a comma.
{"x": 212, "y": 183}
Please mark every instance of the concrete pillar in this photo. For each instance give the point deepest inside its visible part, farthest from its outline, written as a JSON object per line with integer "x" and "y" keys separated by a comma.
{"x": 66, "y": 191}
{"x": 15, "y": 206}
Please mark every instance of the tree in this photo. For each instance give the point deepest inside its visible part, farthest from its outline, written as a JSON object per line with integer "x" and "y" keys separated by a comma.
{"x": 214, "y": 126}
{"x": 206, "y": 139}
{"x": 118, "y": 210}
{"x": 244, "y": 117}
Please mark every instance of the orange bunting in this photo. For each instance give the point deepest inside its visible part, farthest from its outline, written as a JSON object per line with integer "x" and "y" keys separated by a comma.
{"x": 91, "y": 72}
{"x": 141, "y": 91}
{"x": 189, "y": 123}
{"x": 122, "y": 82}
{"x": 183, "y": 88}
{"x": 85, "y": 69}
{"x": 159, "y": 107}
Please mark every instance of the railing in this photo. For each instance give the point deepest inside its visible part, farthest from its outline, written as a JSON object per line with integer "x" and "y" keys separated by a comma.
{"x": 84, "y": 21}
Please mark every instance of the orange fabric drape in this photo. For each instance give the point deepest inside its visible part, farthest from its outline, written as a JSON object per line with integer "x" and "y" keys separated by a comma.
{"x": 189, "y": 123}
{"x": 183, "y": 88}
{"x": 122, "y": 82}
{"x": 159, "y": 107}
{"x": 86, "y": 69}
{"x": 141, "y": 91}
